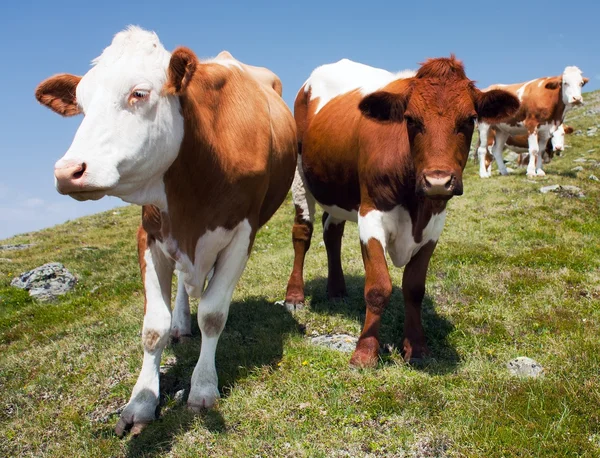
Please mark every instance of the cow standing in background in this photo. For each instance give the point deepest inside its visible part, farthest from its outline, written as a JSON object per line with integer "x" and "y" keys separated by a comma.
{"x": 519, "y": 144}
{"x": 387, "y": 151}
{"x": 209, "y": 149}
{"x": 544, "y": 102}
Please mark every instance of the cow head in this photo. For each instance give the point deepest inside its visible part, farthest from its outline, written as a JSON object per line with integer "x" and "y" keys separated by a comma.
{"x": 571, "y": 83}
{"x": 131, "y": 131}
{"x": 439, "y": 106}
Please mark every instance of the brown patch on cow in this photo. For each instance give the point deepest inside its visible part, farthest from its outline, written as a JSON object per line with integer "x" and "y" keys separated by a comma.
{"x": 150, "y": 339}
{"x": 59, "y": 94}
{"x": 246, "y": 157}
{"x": 142, "y": 245}
{"x": 213, "y": 323}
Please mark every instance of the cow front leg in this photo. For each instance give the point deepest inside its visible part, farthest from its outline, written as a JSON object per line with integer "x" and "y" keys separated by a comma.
{"x": 181, "y": 324}
{"x": 482, "y": 149}
{"x": 213, "y": 310}
{"x": 378, "y": 287}
{"x": 157, "y": 273}
{"x": 497, "y": 150}
{"x": 304, "y": 204}
{"x": 333, "y": 231}
{"x": 413, "y": 289}
{"x": 542, "y": 140}
{"x": 534, "y": 150}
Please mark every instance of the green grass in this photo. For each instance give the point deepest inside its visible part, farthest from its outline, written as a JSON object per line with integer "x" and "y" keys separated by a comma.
{"x": 516, "y": 273}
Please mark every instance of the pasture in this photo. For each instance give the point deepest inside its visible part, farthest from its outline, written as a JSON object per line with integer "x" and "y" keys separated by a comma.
{"x": 516, "y": 273}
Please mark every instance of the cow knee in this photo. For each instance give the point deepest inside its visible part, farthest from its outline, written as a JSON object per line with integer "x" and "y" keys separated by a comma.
{"x": 155, "y": 338}
{"x": 212, "y": 324}
{"x": 377, "y": 296}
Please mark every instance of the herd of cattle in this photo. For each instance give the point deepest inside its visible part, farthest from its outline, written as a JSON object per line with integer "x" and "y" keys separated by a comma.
{"x": 210, "y": 150}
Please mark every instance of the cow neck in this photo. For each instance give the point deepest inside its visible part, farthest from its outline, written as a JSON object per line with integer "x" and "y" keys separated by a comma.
{"x": 421, "y": 212}
{"x": 560, "y": 109}
{"x": 197, "y": 180}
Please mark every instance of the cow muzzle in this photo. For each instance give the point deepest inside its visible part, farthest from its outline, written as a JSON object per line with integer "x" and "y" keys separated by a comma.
{"x": 577, "y": 100}
{"x": 441, "y": 185}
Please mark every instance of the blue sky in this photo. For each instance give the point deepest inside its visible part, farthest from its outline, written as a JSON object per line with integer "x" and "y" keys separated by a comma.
{"x": 499, "y": 42}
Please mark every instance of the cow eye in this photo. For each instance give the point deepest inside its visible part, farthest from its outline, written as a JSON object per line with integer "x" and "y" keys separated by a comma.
{"x": 413, "y": 124}
{"x": 138, "y": 95}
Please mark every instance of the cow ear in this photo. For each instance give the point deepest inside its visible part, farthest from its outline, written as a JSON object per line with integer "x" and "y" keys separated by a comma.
{"x": 384, "y": 106}
{"x": 58, "y": 94}
{"x": 553, "y": 84}
{"x": 568, "y": 129}
{"x": 585, "y": 81}
{"x": 495, "y": 105}
{"x": 182, "y": 67}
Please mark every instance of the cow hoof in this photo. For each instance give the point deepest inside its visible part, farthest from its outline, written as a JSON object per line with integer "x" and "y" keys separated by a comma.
{"x": 180, "y": 338}
{"x": 291, "y": 306}
{"x": 203, "y": 397}
{"x": 364, "y": 360}
{"x": 485, "y": 175}
{"x": 540, "y": 173}
{"x": 135, "y": 429}
{"x": 202, "y": 404}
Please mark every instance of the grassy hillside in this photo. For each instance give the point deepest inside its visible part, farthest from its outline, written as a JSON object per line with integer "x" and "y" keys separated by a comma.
{"x": 516, "y": 273}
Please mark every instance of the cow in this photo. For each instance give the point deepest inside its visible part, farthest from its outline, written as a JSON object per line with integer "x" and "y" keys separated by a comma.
{"x": 386, "y": 151}
{"x": 519, "y": 144}
{"x": 209, "y": 149}
{"x": 544, "y": 103}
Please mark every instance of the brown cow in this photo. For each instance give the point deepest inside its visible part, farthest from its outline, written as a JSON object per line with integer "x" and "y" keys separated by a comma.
{"x": 209, "y": 150}
{"x": 387, "y": 151}
{"x": 544, "y": 103}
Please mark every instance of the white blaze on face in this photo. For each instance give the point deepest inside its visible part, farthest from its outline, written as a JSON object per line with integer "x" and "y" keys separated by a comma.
{"x": 572, "y": 82}
{"x": 131, "y": 133}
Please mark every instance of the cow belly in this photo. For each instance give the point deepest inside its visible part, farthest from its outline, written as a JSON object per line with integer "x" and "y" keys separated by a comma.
{"x": 340, "y": 213}
{"x": 401, "y": 244}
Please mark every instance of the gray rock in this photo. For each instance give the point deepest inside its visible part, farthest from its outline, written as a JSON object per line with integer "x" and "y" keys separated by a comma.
{"x": 563, "y": 191}
{"x": 591, "y": 131}
{"x": 547, "y": 189}
{"x": 577, "y": 169}
{"x": 591, "y": 150}
{"x": 18, "y": 246}
{"x": 592, "y": 112}
{"x": 581, "y": 159}
{"x": 46, "y": 282}
{"x": 511, "y": 156}
{"x": 340, "y": 342}
{"x": 594, "y": 178}
{"x": 578, "y": 132}
{"x": 510, "y": 170}
{"x": 525, "y": 367}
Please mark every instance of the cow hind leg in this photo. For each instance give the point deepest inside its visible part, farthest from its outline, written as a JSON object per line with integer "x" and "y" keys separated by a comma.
{"x": 181, "y": 324}
{"x": 333, "y": 231}
{"x": 497, "y": 149}
{"x": 482, "y": 148}
{"x": 304, "y": 204}
{"x": 213, "y": 310}
{"x": 157, "y": 273}
{"x": 534, "y": 151}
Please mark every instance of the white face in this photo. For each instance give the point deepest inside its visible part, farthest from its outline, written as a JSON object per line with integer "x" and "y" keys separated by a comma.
{"x": 572, "y": 82}
{"x": 131, "y": 133}
{"x": 558, "y": 138}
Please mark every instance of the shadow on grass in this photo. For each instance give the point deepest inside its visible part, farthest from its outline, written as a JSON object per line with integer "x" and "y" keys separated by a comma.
{"x": 253, "y": 338}
{"x": 443, "y": 356}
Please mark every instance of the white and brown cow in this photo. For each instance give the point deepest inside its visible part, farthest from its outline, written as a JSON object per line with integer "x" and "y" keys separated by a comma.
{"x": 209, "y": 149}
{"x": 544, "y": 103}
{"x": 387, "y": 151}
{"x": 520, "y": 144}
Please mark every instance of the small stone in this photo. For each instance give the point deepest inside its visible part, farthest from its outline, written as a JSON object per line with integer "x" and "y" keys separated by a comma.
{"x": 547, "y": 189}
{"x": 511, "y": 156}
{"x": 594, "y": 178}
{"x": 7, "y": 260}
{"x": 577, "y": 169}
{"x": 591, "y": 150}
{"x": 340, "y": 342}
{"x": 525, "y": 367}
{"x": 178, "y": 397}
{"x": 17, "y": 246}
{"x": 591, "y": 131}
{"x": 46, "y": 282}
{"x": 510, "y": 170}
{"x": 581, "y": 159}
{"x": 578, "y": 132}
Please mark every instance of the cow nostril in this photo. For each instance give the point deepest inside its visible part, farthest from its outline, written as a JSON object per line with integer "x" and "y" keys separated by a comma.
{"x": 80, "y": 172}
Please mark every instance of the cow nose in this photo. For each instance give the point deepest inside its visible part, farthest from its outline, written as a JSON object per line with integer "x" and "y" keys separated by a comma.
{"x": 577, "y": 100}
{"x": 439, "y": 183}
{"x": 69, "y": 176}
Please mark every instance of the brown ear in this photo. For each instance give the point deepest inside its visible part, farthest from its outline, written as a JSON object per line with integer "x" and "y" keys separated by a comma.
{"x": 568, "y": 130}
{"x": 384, "y": 106}
{"x": 553, "y": 83}
{"x": 585, "y": 81}
{"x": 181, "y": 70}
{"x": 495, "y": 105}
{"x": 58, "y": 94}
